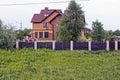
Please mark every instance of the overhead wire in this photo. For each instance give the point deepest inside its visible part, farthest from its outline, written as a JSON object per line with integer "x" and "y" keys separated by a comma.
{"x": 37, "y": 3}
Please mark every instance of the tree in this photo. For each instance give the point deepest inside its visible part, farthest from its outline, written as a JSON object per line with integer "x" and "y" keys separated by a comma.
{"x": 116, "y": 32}
{"x": 7, "y": 37}
{"x": 72, "y": 23}
{"x": 21, "y": 33}
{"x": 63, "y": 34}
{"x": 109, "y": 35}
{"x": 98, "y": 33}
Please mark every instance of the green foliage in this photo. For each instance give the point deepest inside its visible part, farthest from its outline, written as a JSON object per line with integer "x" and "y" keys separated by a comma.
{"x": 110, "y": 35}
{"x": 62, "y": 33}
{"x": 72, "y": 23}
{"x": 20, "y": 34}
{"x": 98, "y": 33}
{"x": 7, "y": 36}
{"x": 44, "y": 64}
{"x": 116, "y": 33}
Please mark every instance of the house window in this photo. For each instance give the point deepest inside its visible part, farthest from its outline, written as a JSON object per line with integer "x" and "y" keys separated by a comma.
{"x": 46, "y": 15}
{"x": 36, "y": 34}
{"x": 40, "y": 34}
{"x": 45, "y": 24}
{"x": 56, "y": 24}
{"x": 46, "y": 34}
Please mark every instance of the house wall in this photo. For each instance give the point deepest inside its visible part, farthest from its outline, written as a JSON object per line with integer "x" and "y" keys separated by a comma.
{"x": 51, "y": 17}
{"x": 55, "y": 22}
{"x": 39, "y": 27}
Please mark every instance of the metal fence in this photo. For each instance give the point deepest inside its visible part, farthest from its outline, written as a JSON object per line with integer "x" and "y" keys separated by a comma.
{"x": 94, "y": 46}
{"x": 62, "y": 45}
{"x": 80, "y": 45}
{"x": 98, "y": 46}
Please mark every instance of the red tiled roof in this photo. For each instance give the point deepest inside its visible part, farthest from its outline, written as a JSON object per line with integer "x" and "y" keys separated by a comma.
{"x": 40, "y": 17}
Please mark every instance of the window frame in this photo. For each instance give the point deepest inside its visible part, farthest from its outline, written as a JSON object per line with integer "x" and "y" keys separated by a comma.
{"x": 57, "y": 24}
{"x": 36, "y": 34}
{"x": 40, "y": 34}
{"x": 45, "y": 25}
{"x": 46, "y": 34}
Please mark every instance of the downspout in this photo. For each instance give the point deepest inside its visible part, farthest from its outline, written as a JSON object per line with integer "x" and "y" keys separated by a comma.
{"x": 53, "y": 31}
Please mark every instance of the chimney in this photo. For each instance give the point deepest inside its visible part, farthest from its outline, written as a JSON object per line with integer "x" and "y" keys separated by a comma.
{"x": 65, "y": 12}
{"x": 46, "y": 8}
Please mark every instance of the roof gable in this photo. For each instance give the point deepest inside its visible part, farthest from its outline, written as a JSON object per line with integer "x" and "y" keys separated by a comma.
{"x": 44, "y": 14}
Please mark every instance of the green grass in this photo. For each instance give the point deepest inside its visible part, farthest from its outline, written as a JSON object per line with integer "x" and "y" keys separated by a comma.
{"x": 29, "y": 64}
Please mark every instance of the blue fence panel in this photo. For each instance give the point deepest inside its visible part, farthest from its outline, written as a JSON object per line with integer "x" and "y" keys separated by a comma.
{"x": 14, "y": 45}
{"x": 62, "y": 46}
{"x": 98, "y": 46}
{"x": 112, "y": 46}
{"x": 26, "y": 45}
{"x": 47, "y": 45}
{"x": 0, "y": 46}
{"x": 80, "y": 45}
{"x": 119, "y": 45}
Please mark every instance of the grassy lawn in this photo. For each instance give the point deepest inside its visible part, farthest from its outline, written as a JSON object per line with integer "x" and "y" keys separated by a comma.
{"x": 29, "y": 64}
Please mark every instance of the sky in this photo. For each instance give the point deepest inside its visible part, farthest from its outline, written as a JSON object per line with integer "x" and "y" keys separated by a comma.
{"x": 105, "y": 11}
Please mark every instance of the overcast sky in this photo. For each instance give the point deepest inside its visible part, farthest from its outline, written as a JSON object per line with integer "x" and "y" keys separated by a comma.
{"x": 106, "y": 11}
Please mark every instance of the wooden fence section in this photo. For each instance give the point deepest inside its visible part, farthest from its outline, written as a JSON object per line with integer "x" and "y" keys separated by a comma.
{"x": 91, "y": 46}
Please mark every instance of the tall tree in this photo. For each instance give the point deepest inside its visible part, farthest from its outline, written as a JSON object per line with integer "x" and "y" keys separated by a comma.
{"x": 98, "y": 33}
{"x": 72, "y": 23}
{"x": 7, "y": 37}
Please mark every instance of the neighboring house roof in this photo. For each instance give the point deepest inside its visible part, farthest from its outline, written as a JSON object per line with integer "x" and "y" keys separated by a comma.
{"x": 85, "y": 28}
{"x": 44, "y": 14}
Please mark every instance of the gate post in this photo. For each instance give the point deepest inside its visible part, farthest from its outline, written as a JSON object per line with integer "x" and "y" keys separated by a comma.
{"x": 71, "y": 45}
{"x": 35, "y": 45}
{"x": 53, "y": 45}
{"x": 116, "y": 45}
{"x": 89, "y": 45}
{"x": 17, "y": 44}
{"x": 107, "y": 46}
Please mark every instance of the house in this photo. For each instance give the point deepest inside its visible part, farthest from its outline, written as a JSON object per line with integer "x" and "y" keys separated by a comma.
{"x": 45, "y": 24}
{"x": 117, "y": 38}
{"x": 85, "y": 31}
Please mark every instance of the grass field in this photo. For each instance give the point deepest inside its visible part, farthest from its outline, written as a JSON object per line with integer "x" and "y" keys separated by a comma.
{"x": 29, "y": 64}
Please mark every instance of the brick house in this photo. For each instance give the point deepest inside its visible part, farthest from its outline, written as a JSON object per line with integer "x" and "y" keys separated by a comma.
{"x": 45, "y": 24}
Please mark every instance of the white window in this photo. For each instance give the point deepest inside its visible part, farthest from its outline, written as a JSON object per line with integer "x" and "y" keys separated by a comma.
{"x": 45, "y": 15}
{"x": 57, "y": 25}
{"x": 45, "y": 24}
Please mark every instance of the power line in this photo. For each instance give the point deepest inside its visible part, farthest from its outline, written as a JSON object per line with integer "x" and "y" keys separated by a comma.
{"x": 36, "y": 3}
